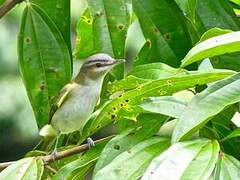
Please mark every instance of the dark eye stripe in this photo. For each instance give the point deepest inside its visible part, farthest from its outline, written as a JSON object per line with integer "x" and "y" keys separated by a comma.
{"x": 97, "y": 61}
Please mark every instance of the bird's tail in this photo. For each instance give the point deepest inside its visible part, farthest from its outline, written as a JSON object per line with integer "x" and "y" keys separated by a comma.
{"x": 48, "y": 134}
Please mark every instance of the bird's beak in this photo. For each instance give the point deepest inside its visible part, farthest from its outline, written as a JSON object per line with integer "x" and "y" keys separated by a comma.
{"x": 120, "y": 61}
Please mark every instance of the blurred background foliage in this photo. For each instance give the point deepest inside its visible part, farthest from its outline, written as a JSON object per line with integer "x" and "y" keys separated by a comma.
{"x": 18, "y": 129}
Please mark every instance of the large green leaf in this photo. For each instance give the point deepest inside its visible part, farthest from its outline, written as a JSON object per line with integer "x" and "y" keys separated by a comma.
{"x": 132, "y": 163}
{"x": 235, "y": 133}
{"x": 154, "y": 71}
{"x": 59, "y": 12}
{"x": 207, "y": 104}
{"x": 84, "y": 162}
{"x": 166, "y": 105}
{"x": 110, "y": 25}
{"x": 24, "y": 169}
{"x": 218, "y": 45}
{"x": 210, "y": 14}
{"x": 146, "y": 126}
{"x": 185, "y": 160}
{"x": 227, "y": 168}
{"x": 166, "y": 86}
{"x": 164, "y": 28}
{"x": 84, "y": 40}
{"x": 45, "y": 62}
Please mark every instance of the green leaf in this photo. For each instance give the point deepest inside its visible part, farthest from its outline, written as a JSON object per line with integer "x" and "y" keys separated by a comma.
{"x": 203, "y": 164}
{"x": 211, "y": 14}
{"x": 227, "y": 168}
{"x": 45, "y": 62}
{"x": 132, "y": 163}
{"x": 165, "y": 86}
{"x": 214, "y": 32}
{"x": 59, "y": 12}
{"x": 182, "y": 160}
{"x": 233, "y": 134}
{"x": 2, "y": 1}
{"x": 154, "y": 71}
{"x": 166, "y": 105}
{"x": 189, "y": 8}
{"x": 218, "y": 45}
{"x": 165, "y": 30}
{"x": 146, "y": 126}
{"x": 207, "y": 104}
{"x": 84, "y": 40}
{"x": 24, "y": 169}
{"x": 83, "y": 163}
{"x": 110, "y": 25}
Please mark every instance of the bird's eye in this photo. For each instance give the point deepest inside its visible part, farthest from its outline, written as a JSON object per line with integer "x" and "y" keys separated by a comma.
{"x": 98, "y": 65}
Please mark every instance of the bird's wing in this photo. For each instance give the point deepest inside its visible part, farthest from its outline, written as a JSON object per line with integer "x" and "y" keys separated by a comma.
{"x": 62, "y": 96}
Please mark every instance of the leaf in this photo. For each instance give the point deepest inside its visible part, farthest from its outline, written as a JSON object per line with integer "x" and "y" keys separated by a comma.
{"x": 189, "y": 8}
{"x": 165, "y": 30}
{"x": 132, "y": 163}
{"x": 165, "y": 86}
{"x": 146, "y": 126}
{"x": 45, "y": 62}
{"x": 218, "y": 45}
{"x": 87, "y": 159}
{"x": 84, "y": 40}
{"x": 24, "y": 169}
{"x": 110, "y": 25}
{"x": 227, "y": 168}
{"x": 183, "y": 159}
{"x": 203, "y": 164}
{"x": 142, "y": 74}
{"x": 214, "y": 32}
{"x": 211, "y": 14}
{"x": 154, "y": 71}
{"x": 166, "y": 105}
{"x": 207, "y": 104}
{"x": 233, "y": 134}
{"x": 59, "y": 13}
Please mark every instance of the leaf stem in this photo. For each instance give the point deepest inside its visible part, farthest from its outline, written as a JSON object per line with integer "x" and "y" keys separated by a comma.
{"x": 62, "y": 154}
{"x": 7, "y": 6}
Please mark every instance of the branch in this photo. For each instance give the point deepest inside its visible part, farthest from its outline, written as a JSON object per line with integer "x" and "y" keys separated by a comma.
{"x": 62, "y": 154}
{"x": 7, "y": 6}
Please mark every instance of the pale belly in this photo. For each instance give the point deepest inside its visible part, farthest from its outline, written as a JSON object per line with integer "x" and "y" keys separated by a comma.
{"x": 75, "y": 112}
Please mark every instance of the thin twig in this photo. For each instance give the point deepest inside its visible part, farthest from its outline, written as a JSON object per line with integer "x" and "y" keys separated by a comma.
{"x": 7, "y": 6}
{"x": 62, "y": 154}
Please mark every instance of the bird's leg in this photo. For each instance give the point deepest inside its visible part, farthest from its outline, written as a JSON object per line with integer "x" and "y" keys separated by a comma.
{"x": 55, "y": 153}
{"x": 90, "y": 142}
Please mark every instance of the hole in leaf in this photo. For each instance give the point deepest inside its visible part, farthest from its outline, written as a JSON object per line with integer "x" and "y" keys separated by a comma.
{"x": 167, "y": 36}
{"x": 117, "y": 147}
{"x": 148, "y": 43}
{"x": 27, "y": 40}
{"x": 120, "y": 27}
{"x": 99, "y": 13}
{"x": 113, "y": 116}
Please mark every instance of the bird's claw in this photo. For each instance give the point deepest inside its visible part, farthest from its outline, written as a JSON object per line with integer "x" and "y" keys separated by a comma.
{"x": 90, "y": 142}
{"x": 54, "y": 154}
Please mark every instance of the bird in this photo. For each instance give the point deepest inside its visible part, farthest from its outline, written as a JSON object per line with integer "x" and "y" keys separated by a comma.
{"x": 76, "y": 100}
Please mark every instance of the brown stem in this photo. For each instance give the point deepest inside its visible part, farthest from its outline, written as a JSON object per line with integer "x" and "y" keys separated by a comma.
{"x": 7, "y": 6}
{"x": 62, "y": 154}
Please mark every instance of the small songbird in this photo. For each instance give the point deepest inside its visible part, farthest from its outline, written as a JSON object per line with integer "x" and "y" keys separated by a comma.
{"x": 76, "y": 100}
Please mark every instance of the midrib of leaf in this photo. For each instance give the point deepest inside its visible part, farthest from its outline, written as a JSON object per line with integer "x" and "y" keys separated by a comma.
{"x": 40, "y": 53}
{"x": 150, "y": 19}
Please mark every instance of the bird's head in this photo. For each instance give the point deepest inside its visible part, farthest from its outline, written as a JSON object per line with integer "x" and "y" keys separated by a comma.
{"x": 97, "y": 66}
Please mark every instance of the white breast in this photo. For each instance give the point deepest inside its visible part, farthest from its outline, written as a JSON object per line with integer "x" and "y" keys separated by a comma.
{"x": 76, "y": 110}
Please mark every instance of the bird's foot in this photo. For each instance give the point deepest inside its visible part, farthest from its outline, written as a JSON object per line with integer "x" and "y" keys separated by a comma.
{"x": 54, "y": 154}
{"x": 90, "y": 142}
